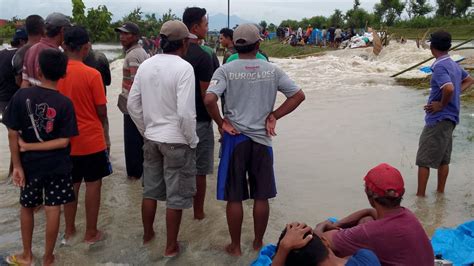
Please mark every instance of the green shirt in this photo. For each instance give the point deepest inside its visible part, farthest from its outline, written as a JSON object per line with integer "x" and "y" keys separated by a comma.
{"x": 236, "y": 56}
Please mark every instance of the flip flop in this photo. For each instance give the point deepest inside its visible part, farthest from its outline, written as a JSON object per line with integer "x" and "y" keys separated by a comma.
{"x": 12, "y": 260}
{"x": 99, "y": 238}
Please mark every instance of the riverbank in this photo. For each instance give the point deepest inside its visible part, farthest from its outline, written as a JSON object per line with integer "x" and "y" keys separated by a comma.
{"x": 274, "y": 48}
{"x": 458, "y": 32}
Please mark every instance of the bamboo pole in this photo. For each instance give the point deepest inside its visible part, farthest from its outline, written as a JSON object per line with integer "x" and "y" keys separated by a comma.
{"x": 419, "y": 64}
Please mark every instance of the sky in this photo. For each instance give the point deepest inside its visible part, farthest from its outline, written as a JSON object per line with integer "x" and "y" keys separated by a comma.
{"x": 272, "y": 11}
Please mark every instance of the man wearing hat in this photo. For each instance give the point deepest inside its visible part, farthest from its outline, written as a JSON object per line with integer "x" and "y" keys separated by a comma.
{"x": 134, "y": 56}
{"x": 448, "y": 81}
{"x": 55, "y": 24}
{"x": 90, "y": 160}
{"x": 250, "y": 87}
{"x": 162, "y": 105}
{"x": 8, "y": 85}
{"x": 388, "y": 229}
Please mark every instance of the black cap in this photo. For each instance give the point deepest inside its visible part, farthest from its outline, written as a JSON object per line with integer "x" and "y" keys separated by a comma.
{"x": 440, "y": 40}
{"x": 76, "y": 36}
{"x": 20, "y": 34}
{"x": 129, "y": 27}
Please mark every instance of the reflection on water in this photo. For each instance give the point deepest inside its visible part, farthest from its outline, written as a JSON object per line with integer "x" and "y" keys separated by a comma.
{"x": 111, "y": 51}
{"x": 354, "y": 117}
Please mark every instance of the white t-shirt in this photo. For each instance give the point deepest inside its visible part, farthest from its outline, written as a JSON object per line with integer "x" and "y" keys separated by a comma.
{"x": 162, "y": 100}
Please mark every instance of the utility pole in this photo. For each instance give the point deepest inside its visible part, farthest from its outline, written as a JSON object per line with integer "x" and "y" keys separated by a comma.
{"x": 228, "y": 14}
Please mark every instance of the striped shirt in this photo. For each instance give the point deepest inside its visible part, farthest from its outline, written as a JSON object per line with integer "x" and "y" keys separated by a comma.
{"x": 134, "y": 56}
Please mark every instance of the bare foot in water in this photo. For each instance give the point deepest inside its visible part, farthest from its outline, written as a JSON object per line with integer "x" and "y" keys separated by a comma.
{"x": 48, "y": 260}
{"x": 257, "y": 245}
{"x": 171, "y": 252}
{"x": 148, "y": 238}
{"x": 233, "y": 250}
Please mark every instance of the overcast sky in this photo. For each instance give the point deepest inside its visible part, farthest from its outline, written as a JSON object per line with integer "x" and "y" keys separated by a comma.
{"x": 252, "y": 10}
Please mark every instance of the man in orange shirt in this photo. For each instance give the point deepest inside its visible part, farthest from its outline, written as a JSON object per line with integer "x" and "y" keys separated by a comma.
{"x": 83, "y": 85}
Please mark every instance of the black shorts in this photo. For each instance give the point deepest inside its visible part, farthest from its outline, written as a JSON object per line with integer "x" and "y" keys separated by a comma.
{"x": 56, "y": 188}
{"x": 242, "y": 156}
{"x": 91, "y": 167}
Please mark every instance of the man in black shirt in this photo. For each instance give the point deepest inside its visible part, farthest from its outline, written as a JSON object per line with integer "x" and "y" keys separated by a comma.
{"x": 8, "y": 85}
{"x": 196, "y": 21}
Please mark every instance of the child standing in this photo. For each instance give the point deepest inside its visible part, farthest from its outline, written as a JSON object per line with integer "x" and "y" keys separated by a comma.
{"x": 40, "y": 122}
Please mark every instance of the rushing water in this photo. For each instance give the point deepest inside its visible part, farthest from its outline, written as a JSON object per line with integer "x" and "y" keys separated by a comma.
{"x": 354, "y": 117}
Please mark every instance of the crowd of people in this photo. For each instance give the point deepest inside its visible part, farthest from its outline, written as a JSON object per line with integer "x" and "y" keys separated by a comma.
{"x": 54, "y": 106}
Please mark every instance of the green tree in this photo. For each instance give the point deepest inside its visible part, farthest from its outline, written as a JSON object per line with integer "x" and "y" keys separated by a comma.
{"x": 356, "y": 4}
{"x": 462, "y": 6}
{"x": 78, "y": 15}
{"x": 98, "y": 23}
{"x": 337, "y": 18}
{"x": 263, "y": 24}
{"x": 446, "y": 8}
{"x": 293, "y": 24}
{"x": 388, "y": 11}
{"x": 358, "y": 18}
{"x": 419, "y": 8}
{"x": 272, "y": 27}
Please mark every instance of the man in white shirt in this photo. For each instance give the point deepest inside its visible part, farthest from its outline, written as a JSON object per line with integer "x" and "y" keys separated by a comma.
{"x": 162, "y": 105}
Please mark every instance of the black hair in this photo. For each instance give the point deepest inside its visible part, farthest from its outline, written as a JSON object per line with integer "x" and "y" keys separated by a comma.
{"x": 169, "y": 46}
{"x": 75, "y": 38}
{"x": 53, "y": 31}
{"x": 246, "y": 49}
{"x": 15, "y": 42}
{"x": 441, "y": 40}
{"x": 53, "y": 64}
{"x": 34, "y": 25}
{"x": 386, "y": 201}
{"x": 193, "y": 15}
{"x": 228, "y": 33}
{"x": 312, "y": 254}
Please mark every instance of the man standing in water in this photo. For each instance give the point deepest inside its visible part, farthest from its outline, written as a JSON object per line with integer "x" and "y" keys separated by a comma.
{"x": 161, "y": 103}
{"x": 134, "y": 56}
{"x": 196, "y": 21}
{"x": 250, "y": 87}
{"x": 448, "y": 81}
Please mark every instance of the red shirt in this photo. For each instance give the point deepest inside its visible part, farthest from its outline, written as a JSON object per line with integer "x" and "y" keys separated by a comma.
{"x": 83, "y": 85}
{"x": 397, "y": 239}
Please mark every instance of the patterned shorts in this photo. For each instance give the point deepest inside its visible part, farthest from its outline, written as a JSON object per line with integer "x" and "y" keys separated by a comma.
{"x": 57, "y": 189}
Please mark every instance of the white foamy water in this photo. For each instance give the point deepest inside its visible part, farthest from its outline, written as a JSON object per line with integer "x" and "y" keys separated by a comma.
{"x": 354, "y": 117}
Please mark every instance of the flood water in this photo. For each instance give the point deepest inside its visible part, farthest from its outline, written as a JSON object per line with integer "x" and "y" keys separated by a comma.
{"x": 354, "y": 118}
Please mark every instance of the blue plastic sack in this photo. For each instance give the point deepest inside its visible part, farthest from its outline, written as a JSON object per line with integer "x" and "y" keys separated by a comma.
{"x": 265, "y": 256}
{"x": 456, "y": 245}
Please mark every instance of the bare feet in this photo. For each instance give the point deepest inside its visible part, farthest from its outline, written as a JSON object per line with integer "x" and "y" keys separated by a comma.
{"x": 233, "y": 250}
{"x": 148, "y": 238}
{"x": 48, "y": 260}
{"x": 99, "y": 236}
{"x": 172, "y": 252}
{"x": 420, "y": 195}
{"x": 199, "y": 215}
{"x": 133, "y": 178}
{"x": 19, "y": 259}
{"x": 257, "y": 245}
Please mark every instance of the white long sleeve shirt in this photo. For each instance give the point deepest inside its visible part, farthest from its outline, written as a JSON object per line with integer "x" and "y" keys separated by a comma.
{"x": 162, "y": 100}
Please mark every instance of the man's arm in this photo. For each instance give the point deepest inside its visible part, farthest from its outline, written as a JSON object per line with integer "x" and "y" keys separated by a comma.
{"x": 102, "y": 114}
{"x": 54, "y": 144}
{"x": 293, "y": 239}
{"x": 18, "y": 174}
{"x": 447, "y": 95}
{"x": 210, "y": 101}
{"x": 186, "y": 106}
{"x": 288, "y": 106}
{"x": 467, "y": 83}
{"x": 134, "y": 106}
{"x": 203, "y": 85}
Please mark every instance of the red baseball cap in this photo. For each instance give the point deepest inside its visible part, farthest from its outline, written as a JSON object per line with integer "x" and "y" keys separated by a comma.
{"x": 383, "y": 178}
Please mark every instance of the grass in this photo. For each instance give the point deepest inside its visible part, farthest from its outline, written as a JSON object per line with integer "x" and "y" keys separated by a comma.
{"x": 458, "y": 32}
{"x": 276, "y": 49}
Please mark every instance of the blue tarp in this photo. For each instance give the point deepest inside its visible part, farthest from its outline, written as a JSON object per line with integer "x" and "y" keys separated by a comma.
{"x": 456, "y": 245}
{"x": 265, "y": 256}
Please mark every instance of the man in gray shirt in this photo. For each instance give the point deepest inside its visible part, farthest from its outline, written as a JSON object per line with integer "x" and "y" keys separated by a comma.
{"x": 250, "y": 87}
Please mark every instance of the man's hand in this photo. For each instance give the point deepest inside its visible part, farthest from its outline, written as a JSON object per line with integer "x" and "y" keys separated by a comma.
{"x": 270, "y": 125}
{"x": 294, "y": 237}
{"x": 433, "y": 107}
{"x": 22, "y": 144}
{"x": 325, "y": 226}
{"x": 18, "y": 177}
{"x": 229, "y": 128}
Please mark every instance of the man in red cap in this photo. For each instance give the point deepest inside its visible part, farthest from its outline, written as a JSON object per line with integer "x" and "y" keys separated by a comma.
{"x": 391, "y": 231}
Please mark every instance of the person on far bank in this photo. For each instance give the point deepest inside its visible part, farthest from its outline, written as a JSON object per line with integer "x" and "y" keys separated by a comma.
{"x": 196, "y": 21}
{"x": 161, "y": 103}
{"x": 250, "y": 87}
{"x": 89, "y": 156}
{"x": 134, "y": 56}
{"x": 448, "y": 81}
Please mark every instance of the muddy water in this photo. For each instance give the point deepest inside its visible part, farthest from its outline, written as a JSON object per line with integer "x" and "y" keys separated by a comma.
{"x": 354, "y": 117}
